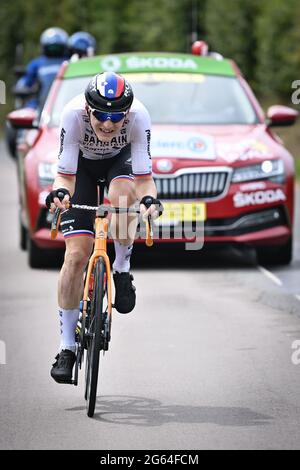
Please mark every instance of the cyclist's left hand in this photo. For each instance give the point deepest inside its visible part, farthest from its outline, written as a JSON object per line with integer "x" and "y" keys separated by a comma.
{"x": 58, "y": 198}
{"x": 149, "y": 206}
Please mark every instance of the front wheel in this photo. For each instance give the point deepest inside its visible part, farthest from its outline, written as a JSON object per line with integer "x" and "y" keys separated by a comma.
{"x": 275, "y": 255}
{"x": 42, "y": 258}
{"x": 36, "y": 256}
{"x": 94, "y": 336}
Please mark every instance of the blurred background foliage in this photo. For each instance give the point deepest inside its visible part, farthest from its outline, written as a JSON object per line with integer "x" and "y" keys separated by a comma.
{"x": 262, "y": 36}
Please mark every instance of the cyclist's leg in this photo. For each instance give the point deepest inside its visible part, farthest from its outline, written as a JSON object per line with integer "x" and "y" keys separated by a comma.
{"x": 122, "y": 194}
{"x": 69, "y": 295}
{"x": 77, "y": 228}
{"x": 123, "y": 228}
{"x": 70, "y": 285}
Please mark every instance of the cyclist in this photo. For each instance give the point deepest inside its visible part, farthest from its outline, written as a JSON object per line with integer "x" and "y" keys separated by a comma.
{"x": 81, "y": 44}
{"x": 42, "y": 70}
{"x": 104, "y": 133}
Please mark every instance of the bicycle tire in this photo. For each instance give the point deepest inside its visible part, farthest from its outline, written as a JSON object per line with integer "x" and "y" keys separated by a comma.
{"x": 95, "y": 337}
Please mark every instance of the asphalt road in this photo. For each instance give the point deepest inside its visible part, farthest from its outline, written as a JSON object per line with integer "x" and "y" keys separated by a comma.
{"x": 204, "y": 362}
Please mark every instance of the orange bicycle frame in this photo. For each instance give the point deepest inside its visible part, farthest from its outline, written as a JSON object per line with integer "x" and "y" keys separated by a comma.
{"x": 100, "y": 250}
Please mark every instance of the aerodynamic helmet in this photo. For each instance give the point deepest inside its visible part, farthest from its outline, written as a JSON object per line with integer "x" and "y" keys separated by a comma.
{"x": 109, "y": 92}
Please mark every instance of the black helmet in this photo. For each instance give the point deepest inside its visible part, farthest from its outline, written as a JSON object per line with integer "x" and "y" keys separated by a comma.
{"x": 109, "y": 92}
{"x": 54, "y": 42}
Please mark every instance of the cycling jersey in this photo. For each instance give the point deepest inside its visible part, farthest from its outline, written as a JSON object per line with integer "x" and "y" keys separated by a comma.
{"x": 78, "y": 139}
{"x": 76, "y": 222}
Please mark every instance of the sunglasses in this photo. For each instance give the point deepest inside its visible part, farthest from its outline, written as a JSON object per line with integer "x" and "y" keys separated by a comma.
{"x": 102, "y": 116}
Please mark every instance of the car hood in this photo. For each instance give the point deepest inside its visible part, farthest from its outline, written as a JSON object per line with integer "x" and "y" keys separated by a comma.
{"x": 231, "y": 144}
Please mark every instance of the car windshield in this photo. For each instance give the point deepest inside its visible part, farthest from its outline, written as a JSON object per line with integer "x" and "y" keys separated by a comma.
{"x": 177, "y": 98}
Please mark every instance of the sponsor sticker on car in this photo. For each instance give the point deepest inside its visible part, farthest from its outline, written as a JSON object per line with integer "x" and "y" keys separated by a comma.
{"x": 183, "y": 144}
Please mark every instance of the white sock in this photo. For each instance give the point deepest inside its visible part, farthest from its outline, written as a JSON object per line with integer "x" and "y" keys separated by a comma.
{"x": 122, "y": 260}
{"x": 68, "y": 321}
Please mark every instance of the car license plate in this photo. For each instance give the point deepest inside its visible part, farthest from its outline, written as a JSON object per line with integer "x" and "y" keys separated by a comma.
{"x": 175, "y": 212}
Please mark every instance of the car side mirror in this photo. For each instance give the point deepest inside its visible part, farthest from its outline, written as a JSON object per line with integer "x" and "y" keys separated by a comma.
{"x": 25, "y": 118}
{"x": 278, "y": 115}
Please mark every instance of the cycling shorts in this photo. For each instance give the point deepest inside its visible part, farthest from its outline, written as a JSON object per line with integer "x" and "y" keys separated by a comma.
{"x": 79, "y": 222}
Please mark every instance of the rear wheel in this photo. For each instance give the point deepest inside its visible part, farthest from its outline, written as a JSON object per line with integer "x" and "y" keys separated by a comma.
{"x": 275, "y": 255}
{"x": 94, "y": 339}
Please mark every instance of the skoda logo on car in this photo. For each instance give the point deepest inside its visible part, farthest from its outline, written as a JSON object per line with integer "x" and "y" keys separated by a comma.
{"x": 110, "y": 64}
{"x": 165, "y": 166}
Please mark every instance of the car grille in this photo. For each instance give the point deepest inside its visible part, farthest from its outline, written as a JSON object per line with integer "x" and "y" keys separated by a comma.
{"x": 197, "y": 185}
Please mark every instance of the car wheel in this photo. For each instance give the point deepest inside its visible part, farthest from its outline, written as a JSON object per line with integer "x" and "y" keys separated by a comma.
{"x": 22, "y": 236}
{"x": 36, "y": 256}
{"x": 275, "y": 255}
{"x": 43, "y": 258}
{"x": 11, "y": 139}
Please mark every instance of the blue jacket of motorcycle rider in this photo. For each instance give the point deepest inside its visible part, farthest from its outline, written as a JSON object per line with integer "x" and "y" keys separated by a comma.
{"x": 41, "y": 71}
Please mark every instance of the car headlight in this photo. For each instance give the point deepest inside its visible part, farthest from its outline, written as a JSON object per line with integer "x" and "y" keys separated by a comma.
{"x": 268, "y": 169}
{"x": 47, "y": 172}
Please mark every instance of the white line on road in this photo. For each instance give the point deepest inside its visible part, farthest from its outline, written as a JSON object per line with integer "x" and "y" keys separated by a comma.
{"x": 270, "y": 275}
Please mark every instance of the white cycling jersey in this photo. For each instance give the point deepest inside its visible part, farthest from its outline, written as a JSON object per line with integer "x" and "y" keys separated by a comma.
{"x": 77, "y": 137}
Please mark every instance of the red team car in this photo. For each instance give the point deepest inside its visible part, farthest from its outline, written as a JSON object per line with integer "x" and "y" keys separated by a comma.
{"x": 216, "y": 160}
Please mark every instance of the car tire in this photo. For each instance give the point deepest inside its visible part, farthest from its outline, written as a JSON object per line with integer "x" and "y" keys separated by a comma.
{"x": 23, "y": 234}
{"x": 43, "y": 258}
{"x": 36, "y": 256}
{"x": 275, "y": 255}
{"x": 11, "y": 140}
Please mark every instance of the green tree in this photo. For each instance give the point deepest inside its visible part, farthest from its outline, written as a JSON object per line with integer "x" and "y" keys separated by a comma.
{"x": 157, "y": 25}
{"x": 278, "y": 47}
{"x": 230, "y": 30}
{"x": 11, "y": 34}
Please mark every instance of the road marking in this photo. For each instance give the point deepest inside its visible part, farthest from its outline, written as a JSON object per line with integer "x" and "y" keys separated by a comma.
{"x": 271, "y": 276}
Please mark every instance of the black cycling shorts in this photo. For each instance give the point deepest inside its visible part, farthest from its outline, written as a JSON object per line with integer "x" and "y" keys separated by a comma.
{"x": 79, "y": 222}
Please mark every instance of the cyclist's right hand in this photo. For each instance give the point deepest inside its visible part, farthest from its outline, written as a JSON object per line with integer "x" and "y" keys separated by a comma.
{"x": 58, "y": 198}
{"x": 150, "y": 206}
